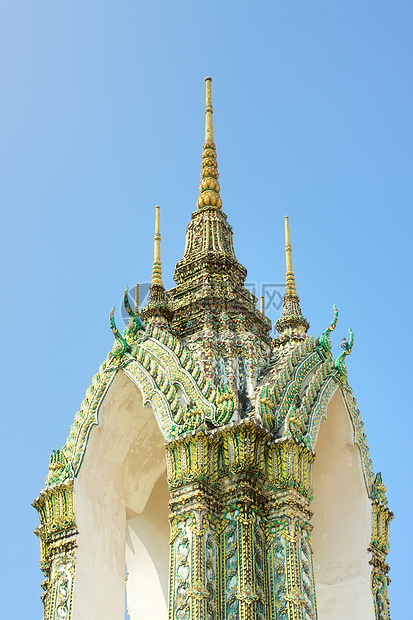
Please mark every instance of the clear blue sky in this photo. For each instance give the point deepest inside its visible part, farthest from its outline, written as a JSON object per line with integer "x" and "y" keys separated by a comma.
{"x": 101, "y": 118}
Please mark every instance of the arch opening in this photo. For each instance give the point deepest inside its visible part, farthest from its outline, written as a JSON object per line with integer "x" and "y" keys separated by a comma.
{"x": 122, "y": 510}
{"x": 341, "y": 521}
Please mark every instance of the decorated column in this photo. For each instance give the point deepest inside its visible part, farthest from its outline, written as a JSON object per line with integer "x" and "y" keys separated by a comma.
{"x": 291, "y": 591}
{"x": 194, "y": 516}
{"x": 57, "y": 533}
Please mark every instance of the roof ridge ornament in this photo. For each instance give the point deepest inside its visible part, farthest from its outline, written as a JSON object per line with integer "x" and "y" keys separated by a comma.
{"x": 120, "y": 346}
{"x": 291, "y": 323}
{"x": 134, "y": 323}
{"x": 209, "y": 187}
{"x": 347, "y": 348}
{"x": 324, "y": 339}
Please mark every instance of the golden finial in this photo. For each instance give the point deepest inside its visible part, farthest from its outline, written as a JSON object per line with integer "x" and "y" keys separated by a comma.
{"x": 262, "y": 304}
{"x": 209, "y": 186}
{"x": 289, "y": 279}
{"x": 157, "y": 311}
{"x": 209, "y": 129}
{"x": 291, "y": 323}
{"x": 157, "y": 268}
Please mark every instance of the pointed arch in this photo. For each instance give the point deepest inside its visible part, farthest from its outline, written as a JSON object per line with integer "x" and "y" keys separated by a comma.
{"x": 124, "y": 461}
{"x": 342, "y": 519}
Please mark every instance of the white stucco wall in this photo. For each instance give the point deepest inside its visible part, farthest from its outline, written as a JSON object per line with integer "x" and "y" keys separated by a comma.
{"x": 125, "y": 457}
{"x": 147, "y": 557}
{"x": 342, "y": 522}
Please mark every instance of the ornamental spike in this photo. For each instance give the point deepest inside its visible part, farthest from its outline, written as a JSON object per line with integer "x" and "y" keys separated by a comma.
{"x": 209, "y": 187}
{"x": 291, "y": 323}
{"x": 289, "y": 277}
{"x": 157, "y": 267}
{"x": 209, "y": 129}
{"x": 157, "y": 310}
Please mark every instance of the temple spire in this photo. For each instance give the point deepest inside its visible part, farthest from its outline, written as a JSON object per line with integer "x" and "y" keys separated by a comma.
{"x": 209, "y": 187}
{"x": 291, "y": 323}
{"x": 157, "y": 267}
{"x": 210, "y": 293}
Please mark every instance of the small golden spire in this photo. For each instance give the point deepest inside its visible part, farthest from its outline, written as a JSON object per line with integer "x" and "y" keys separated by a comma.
{"x": 289, "y": 279}
{"x": 262, "y": 304}
{"x": 157, "y": 311}
{"x": 291, "y": 323}
{"x": 209, "y": 186}
{"x": 157, "y": 267}
{"x": 209, "y": 129}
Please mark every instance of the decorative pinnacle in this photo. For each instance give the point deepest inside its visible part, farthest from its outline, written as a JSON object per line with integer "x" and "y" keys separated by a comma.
{"x": 157, "y": 310}
{"x": 157, "y": 267}
{"x": 289, "y": 278}
{"x": 291, "y": 322}
{"x": 209, "y": 186}
{"x": 209, "y": 129}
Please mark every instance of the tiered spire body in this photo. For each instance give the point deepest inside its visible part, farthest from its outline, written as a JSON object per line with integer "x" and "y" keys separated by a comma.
{"x": 291, "y": 323}
{"x": 210, "y": 281}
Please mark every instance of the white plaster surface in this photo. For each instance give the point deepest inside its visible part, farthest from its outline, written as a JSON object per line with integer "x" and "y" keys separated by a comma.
{"x": 125, "y": 457}
{"x": 342, "y": 521}
{"x": 147, "y": 557}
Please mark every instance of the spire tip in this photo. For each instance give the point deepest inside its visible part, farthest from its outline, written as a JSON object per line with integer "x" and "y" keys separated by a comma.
{"x": 290, "y": 279}
{"x": 157, "y": 269}
{"x": 209, "y": 131}
{"x": 209, "y": 187}
{"x": 292, "y": 321}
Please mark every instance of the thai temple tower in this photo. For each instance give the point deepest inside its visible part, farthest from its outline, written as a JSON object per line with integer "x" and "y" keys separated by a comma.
{"x": 227, "y": 470}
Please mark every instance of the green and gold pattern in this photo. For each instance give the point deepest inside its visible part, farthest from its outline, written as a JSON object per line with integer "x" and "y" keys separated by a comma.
{"x": 379, "y": 547}
{"x": 57, "y": 534}
{"x": 244, "y": 513}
